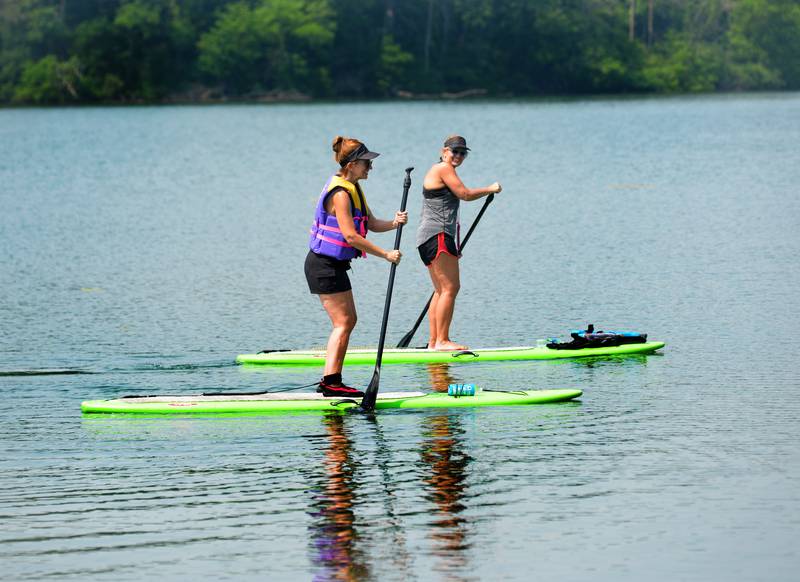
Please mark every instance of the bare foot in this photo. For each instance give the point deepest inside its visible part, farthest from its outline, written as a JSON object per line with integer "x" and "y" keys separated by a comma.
{"x": 448, "y": 346}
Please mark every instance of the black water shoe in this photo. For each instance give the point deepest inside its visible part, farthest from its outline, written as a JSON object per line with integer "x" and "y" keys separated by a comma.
{"x": 339, "y": 390}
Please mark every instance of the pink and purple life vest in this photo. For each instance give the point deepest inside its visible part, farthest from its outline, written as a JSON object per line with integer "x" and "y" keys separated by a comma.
{"x": 326, "y": 236}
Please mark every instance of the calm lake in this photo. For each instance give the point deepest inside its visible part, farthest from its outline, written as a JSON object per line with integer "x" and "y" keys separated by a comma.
{"x": 143, "y": 248}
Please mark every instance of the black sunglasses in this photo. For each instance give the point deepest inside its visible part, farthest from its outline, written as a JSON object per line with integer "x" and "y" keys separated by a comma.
{"x": 459, "y": 152}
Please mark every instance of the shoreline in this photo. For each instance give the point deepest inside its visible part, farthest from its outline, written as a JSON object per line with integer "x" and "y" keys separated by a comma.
{"x": 471, "y": 95}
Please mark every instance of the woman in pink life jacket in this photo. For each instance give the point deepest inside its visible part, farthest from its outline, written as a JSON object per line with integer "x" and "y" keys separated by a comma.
{"x": 338, "y": 235}
{"x": 438, "y": 236}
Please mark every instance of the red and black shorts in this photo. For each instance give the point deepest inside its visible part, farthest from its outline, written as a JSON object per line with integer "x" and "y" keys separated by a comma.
{"x": 436, "y": 245}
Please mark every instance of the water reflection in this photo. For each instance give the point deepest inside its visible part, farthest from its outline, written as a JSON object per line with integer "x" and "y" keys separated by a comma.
{"x": 336, "y": 547}
{"x": 578, "y": 363}
{"x": 333, "y": 535}
{"x": 440, "y": 377}
{"x": 401, "y": 558}
{"x": 445, "y": 466}
{"x": 596, "y": 361}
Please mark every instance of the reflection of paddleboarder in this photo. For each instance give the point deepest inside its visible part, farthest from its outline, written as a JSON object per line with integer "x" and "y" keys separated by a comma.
{"x": 442, "y": 452}
{"x": 440, "y": 377}
{"x": 332, "y": 532}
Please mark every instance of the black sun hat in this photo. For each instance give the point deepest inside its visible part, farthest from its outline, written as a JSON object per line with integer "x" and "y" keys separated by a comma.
{"x": 456, "y": 142}
{"x": 360, "y": 153}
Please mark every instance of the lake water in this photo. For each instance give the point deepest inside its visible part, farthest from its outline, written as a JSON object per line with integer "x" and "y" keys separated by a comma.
{"x": 142, "y": 248}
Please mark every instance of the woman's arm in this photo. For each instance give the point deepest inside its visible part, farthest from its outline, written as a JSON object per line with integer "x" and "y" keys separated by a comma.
{"x": 380, "y": 225}
{"x": 448, "y": 176}
{"x": 341, "y": 207}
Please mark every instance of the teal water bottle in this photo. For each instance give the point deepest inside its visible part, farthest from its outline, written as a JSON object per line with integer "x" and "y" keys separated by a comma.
{"x": 461, "y": 390}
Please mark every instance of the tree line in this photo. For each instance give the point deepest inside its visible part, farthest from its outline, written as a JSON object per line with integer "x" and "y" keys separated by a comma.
{"x": 85, "y": 51}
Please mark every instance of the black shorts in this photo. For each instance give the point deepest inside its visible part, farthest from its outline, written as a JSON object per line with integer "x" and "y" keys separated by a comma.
{"x": 436, "y": 245}
{"x": 326, "y": 275}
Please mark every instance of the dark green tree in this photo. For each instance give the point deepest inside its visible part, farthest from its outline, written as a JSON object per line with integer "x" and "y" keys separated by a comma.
{"x": 764, "y": 39}
{"x": 275, "y": 44}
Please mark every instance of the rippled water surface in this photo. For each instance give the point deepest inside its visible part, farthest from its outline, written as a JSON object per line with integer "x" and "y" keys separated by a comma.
{"x": 143, "y": 248}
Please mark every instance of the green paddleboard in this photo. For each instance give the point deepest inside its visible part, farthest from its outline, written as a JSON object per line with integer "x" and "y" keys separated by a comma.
{"x": 282, "y": 402}
{"x": 420, "y": 356}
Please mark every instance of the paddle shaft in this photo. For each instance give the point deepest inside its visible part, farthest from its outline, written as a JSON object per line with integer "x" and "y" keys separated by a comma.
{"x": 368, "y": 402}
{"x": 403, "y": 343}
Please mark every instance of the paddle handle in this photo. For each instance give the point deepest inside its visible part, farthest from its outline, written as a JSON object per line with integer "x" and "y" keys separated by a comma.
{"x": 406, "y": 187}
{"x": 403, "y": 343}
{"x": 371, "y": 395}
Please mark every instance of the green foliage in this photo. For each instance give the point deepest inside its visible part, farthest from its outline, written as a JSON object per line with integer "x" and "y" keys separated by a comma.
{"x": 48, "y": 81}
{"x": 231, "y": 50}
{"x": 552, "y": 46}
{"x": 136, "y": 53}
{"x": 684, "y": 65}
{"x": 394, "y": 63}
{"x": 29, "y": 31}
{"x": 356, "y": 48}
{"x": 765, "y": 40}
{"x": 278, "y": 44}
{"x": 11, "y": 64}
{"x": 64, "y": 51}
{"x": 607, "y": 61}
{"x": 749, "y": 67}
{"x": 94, "y": 42}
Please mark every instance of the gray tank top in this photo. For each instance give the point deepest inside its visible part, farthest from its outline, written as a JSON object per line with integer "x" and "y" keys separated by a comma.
{"x": 439, "y": 214}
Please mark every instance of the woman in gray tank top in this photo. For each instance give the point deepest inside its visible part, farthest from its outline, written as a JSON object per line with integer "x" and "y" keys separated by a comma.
{"x": 438, "y": 239}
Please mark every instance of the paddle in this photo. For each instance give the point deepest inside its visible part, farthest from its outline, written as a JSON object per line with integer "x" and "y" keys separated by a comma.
{"x": 368, "y": 402}
{"x": 403, "y": 343}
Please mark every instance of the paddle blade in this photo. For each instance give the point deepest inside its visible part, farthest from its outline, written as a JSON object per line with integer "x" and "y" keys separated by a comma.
{"x": 403, "y": 343}
{"x": 371, "y": 394}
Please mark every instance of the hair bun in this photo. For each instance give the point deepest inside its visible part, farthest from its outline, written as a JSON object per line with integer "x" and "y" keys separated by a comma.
{"x": 337, "y": 143}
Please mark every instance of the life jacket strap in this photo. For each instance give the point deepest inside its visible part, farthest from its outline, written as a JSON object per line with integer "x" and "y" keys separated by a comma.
{"x": 333, "y": 241}
{"x": 326, "y": 227}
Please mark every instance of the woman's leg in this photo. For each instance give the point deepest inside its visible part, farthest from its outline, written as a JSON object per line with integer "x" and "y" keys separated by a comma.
{"x": 444, "y": 272}
{"x": 432, "y": 324}
{"x": 341, "y": 308}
